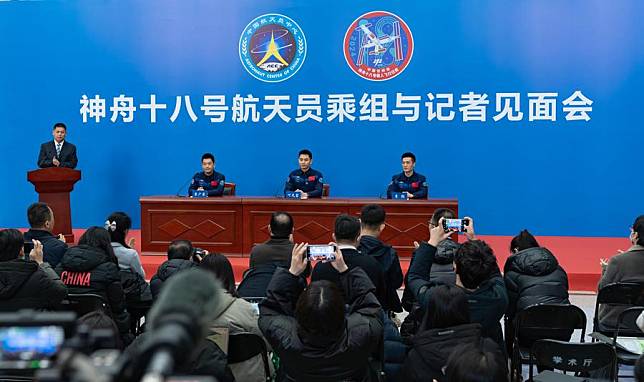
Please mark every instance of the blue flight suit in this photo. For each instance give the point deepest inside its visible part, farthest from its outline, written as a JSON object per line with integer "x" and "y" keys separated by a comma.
{"x": 416, "y": 184}
{"x": 310, "y": 182}
{"x": 214, "y": 183}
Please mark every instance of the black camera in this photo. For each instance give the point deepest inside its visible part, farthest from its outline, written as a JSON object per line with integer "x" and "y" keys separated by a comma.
{"x": 198, "y": 254}
{"x": 31, "y": 340}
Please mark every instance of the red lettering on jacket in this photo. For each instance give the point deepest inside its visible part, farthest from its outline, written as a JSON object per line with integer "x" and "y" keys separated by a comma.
{"x": 312, "y": 178}
{"x": 214, "y": 183}
{"x": 76, "y": 278}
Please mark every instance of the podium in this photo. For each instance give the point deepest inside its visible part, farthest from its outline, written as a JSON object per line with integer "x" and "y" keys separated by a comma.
{"x": 53, "y": 186}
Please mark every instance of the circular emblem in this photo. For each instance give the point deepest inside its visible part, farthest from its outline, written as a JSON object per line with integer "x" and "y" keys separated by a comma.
{"x": 272, "y": 47}
{"x": 378, "y": 46}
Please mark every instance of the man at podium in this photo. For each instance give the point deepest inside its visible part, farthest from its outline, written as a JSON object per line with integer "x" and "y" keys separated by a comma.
{"x": 59, "y": 152}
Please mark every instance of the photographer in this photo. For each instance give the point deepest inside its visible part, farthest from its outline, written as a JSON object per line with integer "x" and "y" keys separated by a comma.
{"x": 309, "y": 330}
{"x": 26, "y": 284}
{"x": 181, "y": 255}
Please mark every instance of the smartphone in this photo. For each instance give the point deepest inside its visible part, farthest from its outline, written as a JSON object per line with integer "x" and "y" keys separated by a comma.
{"x": 28, "y": 246}
{"x": 455, "y": 224}
{"x": 322, "y": 252}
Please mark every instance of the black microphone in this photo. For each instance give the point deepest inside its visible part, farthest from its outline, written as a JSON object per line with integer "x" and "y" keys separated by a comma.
{"x": 178, "y": 193}
{"x": 178, "y": 320}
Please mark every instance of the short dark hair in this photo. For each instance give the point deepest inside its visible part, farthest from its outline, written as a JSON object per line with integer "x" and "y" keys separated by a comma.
{"x": 281, "y": 224}
{"x": 320, "y": 310}
{"x": 481, "y": 362}
{"x": 447, "y": 306}
{"x": 439, "y": 213}
{"x": 59, "y": 124}
{"x": 180, "y": 249}
{"x": 638, "y": 226}
{"x": 122, "y": 224}
{"x": 99, "y": 238}
{"x": 11, "y": 242}
{"x": 219, "y": 265}
{"x": 408, "y": 154}
{"x": 38, "y": 214}
{"x": 372, "y": 216}
{"x": 347, "y": 228}
{"x": 523, "y": 240}
{"x": 305, "y": 152}
{"x": 208, "y": 156}
{"x": 475, "y": 263}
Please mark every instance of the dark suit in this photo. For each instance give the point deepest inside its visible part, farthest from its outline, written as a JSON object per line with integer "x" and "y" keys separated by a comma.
{"x": 67, "y": 156}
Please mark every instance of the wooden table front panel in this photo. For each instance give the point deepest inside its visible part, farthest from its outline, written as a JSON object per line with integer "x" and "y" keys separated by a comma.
{"x": 232, "y": 225}
{"x": 214, "y": 224}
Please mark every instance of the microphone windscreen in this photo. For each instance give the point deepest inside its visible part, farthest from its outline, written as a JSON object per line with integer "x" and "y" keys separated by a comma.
{"x": 195, "y": 293}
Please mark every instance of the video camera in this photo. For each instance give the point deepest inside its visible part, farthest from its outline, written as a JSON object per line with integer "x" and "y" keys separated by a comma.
{"x": 52, "y": 347}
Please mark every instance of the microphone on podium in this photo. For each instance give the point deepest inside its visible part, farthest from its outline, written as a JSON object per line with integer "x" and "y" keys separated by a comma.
{"x": 178, "y": 193}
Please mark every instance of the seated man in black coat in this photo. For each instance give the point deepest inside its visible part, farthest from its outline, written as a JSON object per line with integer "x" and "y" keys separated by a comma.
{"x": 26, "y": 284}
{"x": 310, "y": 330}
{"x": 476, "y": 272}
{"x": 346, "y": 235}
{"x": 372, "y": 219}
{"x": 180, "y": 257}
{"x": 59, "y": 152}
{"x": 41, "y": 220}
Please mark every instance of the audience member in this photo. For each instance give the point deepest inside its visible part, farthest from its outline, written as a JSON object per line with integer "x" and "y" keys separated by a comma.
{"x": 181, "y": 256}
{"x": 41, "y": 221}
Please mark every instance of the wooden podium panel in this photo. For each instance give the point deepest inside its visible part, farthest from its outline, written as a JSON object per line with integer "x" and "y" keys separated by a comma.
{"x": 214, "y": 224}
{"x": 313, "y": 219}
{"x": 232, "y": 225}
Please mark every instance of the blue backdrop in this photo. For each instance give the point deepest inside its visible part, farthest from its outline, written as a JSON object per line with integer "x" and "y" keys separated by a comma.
{"x": 578, "y": 178}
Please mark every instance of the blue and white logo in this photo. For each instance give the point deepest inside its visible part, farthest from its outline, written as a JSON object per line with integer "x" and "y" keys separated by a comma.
{"x": 272, "y": 47}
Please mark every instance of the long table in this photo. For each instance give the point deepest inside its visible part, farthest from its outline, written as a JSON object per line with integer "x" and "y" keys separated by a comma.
{"x": 232, "y": 225}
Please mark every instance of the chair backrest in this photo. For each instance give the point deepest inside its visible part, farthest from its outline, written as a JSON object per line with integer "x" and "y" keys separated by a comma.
{"x": 618, "y": 294}
{"x": 229, "y": 188}
{"x": 255, "y": 282}
{"x": 626, "y": 323}
{"x": 244, "y": 346}
{"x": 574, "y": 357}
{"x": 85, "y": 303}
{"x": 325, "y": 190}
{"x": 551, "y": 320}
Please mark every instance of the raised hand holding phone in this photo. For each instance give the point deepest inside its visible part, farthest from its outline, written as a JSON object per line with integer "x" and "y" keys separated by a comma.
{"x": 339, "y": 263}
{"x": 298, "y": 259}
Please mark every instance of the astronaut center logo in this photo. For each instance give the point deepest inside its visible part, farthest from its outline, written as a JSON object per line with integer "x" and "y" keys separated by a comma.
{"x": 272, "y": 47}
{"x": 378, "y": 46}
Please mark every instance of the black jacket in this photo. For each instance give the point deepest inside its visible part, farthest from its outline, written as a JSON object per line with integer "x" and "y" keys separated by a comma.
{"x": 86, "y": 269}
{"x": 487, "y": 303}
{"x": 25, "y": 285}
{"x": 353, "y": 259}
{"x": 48, "y": 152}
{"x": 275, "y": 250}
{"x": 442, "y": 271}
{"x": 431, "y": 348}
{"x": 388, "y": 260}
{"x": 304, "y": 358}
{"x": 165, "y": 271}
{"x": 206, "y": 358}
{"x": 53, "y": 249}
{"x": 533, "y": 276}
